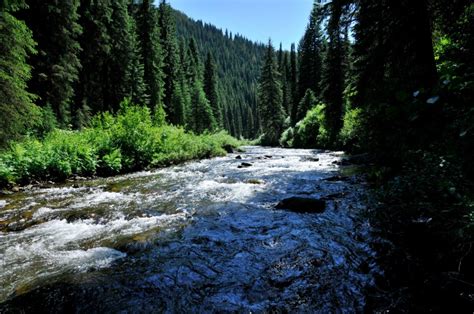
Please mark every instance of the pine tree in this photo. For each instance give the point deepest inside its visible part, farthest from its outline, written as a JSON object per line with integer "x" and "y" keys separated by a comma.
{"x": 184, "y": 86}
{"x": 333, "y": 75}
{"x": 194, "y": 66}
{"x": 152, "y": 55}
{"x": 56, "y": 66}
{"x": 293, "y": 85}
{"x": 307, "y": 103}
{"x": 270, "y": 99}
{"x": 135, "y": 71}
{"x": 210, "y": 88}
{"x": 124, "y": 68}
{"x": 286, "y": 86}
{"x": 280, "y": 58}
{"x": 16, "y": 103}
{"x": 201, "y": 118}
{"x": 91, "y": 90}
{"x": 310, "y": 52}
{"x": 172, "y": 91}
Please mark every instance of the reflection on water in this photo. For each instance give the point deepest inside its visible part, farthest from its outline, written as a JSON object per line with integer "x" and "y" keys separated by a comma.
{"x": 202, "y": 236}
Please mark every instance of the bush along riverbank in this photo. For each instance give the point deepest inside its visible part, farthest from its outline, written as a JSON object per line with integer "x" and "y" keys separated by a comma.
{"x": 129, "y": 141}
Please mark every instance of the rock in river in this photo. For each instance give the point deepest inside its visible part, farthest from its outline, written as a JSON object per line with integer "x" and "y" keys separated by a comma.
{"x": 245, "y": 165}
{"x": 302, "y": 205}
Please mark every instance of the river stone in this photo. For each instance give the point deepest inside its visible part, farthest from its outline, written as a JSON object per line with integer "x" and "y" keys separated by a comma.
{"x": 238, "y": 157}
{"x": 302, "y": 205}
{"x": 244, "y": 165}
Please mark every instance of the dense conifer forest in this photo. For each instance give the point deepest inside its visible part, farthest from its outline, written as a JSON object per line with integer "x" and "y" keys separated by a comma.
{"x": 112, "y": 86}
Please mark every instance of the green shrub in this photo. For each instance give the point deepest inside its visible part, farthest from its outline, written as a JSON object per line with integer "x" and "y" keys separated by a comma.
{"x": 7, "y": 175}
{"x": 128, "y": 141}
{"x": 287, "y": 137}
{"x": 351, "y": 129}
{"x": 311, "y": 132}
{"x": 110, "y": 163}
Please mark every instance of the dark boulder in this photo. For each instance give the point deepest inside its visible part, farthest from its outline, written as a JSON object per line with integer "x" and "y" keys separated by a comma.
{"x": 302, "y": 205}
{"x": 244, "y": 165}
{"x": 238, "y": 157}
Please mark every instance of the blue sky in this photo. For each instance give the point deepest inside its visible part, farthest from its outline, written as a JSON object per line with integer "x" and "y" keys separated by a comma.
{"x": 281, "y": 20}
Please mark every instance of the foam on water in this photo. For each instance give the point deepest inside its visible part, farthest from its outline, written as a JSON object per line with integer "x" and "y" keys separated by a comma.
{"x": 57, "y": 246}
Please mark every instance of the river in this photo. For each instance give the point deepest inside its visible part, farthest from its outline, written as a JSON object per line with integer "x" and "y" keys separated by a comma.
{"x": 198, "y": 237}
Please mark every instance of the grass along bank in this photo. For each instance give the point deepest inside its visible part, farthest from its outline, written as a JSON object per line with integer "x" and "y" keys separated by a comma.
{"x": 129, "y": 141}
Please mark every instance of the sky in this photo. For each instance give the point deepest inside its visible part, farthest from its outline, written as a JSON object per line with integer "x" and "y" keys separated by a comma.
{"x": 281, "y": 20}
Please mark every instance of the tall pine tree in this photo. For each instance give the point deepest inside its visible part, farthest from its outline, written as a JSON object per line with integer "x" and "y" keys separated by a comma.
{"x": 152, "y": 55}
{"x": 310, "y": 51}
{"x": 270, "y": 100}
{"x": 333, "y": 76}
{"x": 16, "y": 103}
{"x": 124, "y": 68}
{"x": 210, "y": 88}
{"x": 199, "y": 115}
{"x": 91, "y": 91}
{"x": 172, "y": 99}
{"x": 294, "y": 85}
{"x": 56, "y": 66}
{"x": 201, "y": 118}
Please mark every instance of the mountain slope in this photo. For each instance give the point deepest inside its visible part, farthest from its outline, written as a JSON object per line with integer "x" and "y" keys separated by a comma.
{"x": 238, "y": 62}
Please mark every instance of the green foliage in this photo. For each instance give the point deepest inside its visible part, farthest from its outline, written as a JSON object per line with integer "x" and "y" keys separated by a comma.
{"x": 46, "y": 123}
{"x": 113, "y": 144}
{"x": 17, "y": 110}
{"x": 351, "y": 131}
{"x": 311, "y": 132}
{"x": 287, "y": 138}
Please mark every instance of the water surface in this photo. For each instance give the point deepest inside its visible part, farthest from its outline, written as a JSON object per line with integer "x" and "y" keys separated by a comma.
{"x": 199, "y": 237}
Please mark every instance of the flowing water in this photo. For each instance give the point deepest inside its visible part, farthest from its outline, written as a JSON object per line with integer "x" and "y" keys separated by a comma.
{"x": 199, "y": 237}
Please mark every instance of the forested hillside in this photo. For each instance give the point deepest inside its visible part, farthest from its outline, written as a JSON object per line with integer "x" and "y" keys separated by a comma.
{"x": 238, "y": 63}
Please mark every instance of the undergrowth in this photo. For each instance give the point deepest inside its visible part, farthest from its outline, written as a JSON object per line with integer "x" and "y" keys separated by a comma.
{"x": 113, "y": 144}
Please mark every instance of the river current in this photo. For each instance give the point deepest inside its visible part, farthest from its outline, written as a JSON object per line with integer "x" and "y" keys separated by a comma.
{"x": 199, "y": 237}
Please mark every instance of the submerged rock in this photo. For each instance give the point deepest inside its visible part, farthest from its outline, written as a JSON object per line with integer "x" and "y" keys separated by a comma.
{"x": 302, "y": 205}
{"x": 245, "y": 165}
{"x": 254, "y": 181}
